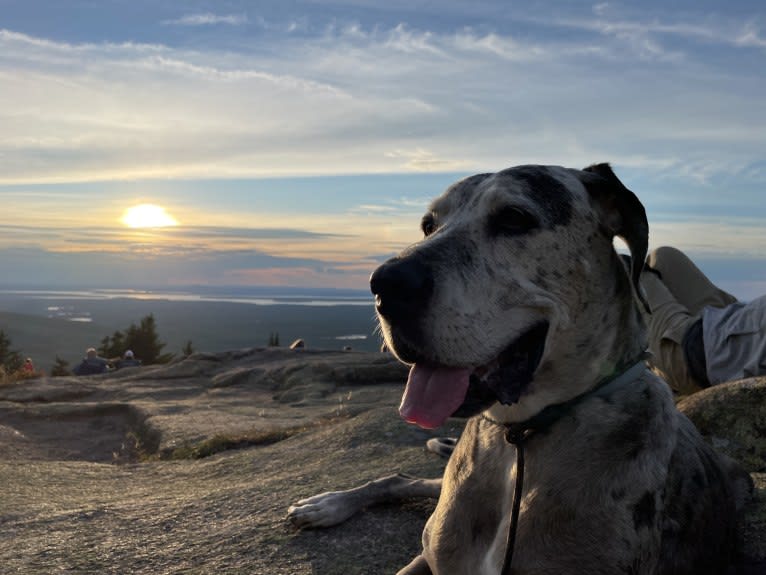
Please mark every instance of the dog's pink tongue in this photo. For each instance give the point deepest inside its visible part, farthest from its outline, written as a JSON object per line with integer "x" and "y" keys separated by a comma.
{"x": 433, "y": 394}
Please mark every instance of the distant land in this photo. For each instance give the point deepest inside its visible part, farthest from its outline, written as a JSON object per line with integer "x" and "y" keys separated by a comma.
{"x": 43, "y": 323}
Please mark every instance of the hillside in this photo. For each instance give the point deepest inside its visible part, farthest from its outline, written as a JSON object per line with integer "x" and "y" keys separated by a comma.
{"x": 211, "y": 326}
{"x": 190, "y": 467}
{"x": 43, "y": 338}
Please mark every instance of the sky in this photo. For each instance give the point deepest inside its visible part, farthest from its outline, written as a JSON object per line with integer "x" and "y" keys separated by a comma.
{"x": 298, "y": 143}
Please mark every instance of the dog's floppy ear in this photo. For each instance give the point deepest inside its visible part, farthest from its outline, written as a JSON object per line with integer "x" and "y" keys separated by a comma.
{"x": 623, "y": 216}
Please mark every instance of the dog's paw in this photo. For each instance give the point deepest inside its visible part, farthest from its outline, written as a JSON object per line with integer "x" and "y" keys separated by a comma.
{"x": 443, "y": 446}
{"x": 323, "y": 510}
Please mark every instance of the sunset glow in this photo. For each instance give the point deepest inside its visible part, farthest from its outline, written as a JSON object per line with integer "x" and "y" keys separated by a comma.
{"x": 147, "y": 216}
{"x": 182, "y": 143}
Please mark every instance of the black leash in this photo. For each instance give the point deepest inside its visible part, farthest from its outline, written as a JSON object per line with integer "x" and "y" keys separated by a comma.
{"x": 516, "y": 439}
{"x": 516, "y": 434}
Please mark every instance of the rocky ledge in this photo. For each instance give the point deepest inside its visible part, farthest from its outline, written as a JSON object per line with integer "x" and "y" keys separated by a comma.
{"x": 190, "y": 467}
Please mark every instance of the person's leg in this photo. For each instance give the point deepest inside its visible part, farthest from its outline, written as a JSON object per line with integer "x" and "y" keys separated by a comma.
{"x": 689, "y": 286}
{"x": 668, "y": 322}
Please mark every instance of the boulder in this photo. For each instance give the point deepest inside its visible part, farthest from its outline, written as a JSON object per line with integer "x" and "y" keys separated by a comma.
{"x": 732, "y": 417}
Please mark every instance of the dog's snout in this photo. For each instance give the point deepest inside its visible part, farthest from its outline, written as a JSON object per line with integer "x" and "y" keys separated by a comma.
{"x": 402, "y": 287}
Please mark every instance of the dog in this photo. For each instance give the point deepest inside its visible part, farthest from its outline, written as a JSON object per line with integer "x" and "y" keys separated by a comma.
{"x": 516, "y": 311}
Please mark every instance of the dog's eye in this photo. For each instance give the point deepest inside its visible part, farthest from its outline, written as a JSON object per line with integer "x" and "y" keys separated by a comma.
{"x": 428, "y": 224}
{"x": 511, "y": 221}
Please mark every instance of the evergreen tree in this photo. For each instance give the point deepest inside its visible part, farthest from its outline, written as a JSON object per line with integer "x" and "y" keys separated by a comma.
{"x": 143, "y": 340}
{"x": 118, "y": 347}
{"x": 60, "y": 368}
{"x": 105, "y": 346}
{"x": 113, "y": 346}
{"x": 10, "y": 359}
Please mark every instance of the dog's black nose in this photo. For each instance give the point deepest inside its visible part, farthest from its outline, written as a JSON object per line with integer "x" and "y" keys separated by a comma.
{"x": 402, "y": 288}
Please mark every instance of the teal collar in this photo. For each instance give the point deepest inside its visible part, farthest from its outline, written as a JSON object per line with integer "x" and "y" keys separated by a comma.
{"x": 517, "y": 431}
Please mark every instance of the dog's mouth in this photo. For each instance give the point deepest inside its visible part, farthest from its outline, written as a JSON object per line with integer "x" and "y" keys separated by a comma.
{"x": 436, "y": 392}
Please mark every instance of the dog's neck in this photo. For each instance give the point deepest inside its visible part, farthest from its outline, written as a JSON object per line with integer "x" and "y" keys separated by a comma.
{"x": 518, "y": 431}
{"x": 578, "y": 359}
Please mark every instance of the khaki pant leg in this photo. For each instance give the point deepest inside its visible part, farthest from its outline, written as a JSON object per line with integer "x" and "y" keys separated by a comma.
{"x": 669, "y": 362}
{"x": 667, "y": 325}
{"x": 689, "y": 286}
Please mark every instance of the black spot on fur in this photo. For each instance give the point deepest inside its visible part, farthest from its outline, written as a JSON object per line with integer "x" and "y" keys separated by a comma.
{"x": 546, "y": 190}
{"x": 463, "y": 190}
{"x": 644, "y": 511}
{"x": 698, "y": 479}
{"x": 511, "y": 221}
{"x": 618, "y": 493}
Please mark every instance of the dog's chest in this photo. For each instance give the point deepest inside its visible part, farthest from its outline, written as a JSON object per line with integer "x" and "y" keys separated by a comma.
{"x": 578, "y": 488}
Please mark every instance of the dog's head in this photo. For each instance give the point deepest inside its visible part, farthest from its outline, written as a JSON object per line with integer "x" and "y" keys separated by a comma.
{"x": 515, "y": 276}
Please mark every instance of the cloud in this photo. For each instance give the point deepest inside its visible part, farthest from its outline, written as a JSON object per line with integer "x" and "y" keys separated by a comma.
{"x": 209, "y": 19}
{"x": 710, "y": 236}
{"x": 397, "y": 98}
{"x": 252, "y": 233}
{"x": 151, "y": 265}
{"x": 421, "y": 160}
{"x": 504, "y": 47}
{"x": 742, "y": 276}
{"x": 190, "y": 240}
{"x": 751, "y": 36}
{"x": 629, "y": 24}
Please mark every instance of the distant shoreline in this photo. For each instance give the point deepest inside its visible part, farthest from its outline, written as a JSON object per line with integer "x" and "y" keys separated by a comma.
{"x": 46, "y": 323}
{"x": 318, "y": 298}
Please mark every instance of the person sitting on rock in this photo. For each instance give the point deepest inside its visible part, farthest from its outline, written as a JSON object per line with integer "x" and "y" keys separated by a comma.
{"x": 699, "y": 335}
{"x": 28, "y": 368}
{"x": 128, "y": 360}
{"x": 91, "y": 364}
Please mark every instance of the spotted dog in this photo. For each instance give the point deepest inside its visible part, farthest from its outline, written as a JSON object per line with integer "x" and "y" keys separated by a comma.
{"x": 515, "y": 310}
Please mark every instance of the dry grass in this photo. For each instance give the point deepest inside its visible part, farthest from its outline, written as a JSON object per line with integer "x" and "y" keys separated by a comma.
{"x": 7, "y": 379}
{"x": 225, "y": 442}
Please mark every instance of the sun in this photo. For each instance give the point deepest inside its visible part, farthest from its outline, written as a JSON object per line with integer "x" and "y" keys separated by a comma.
{"x": 147, "y": 216}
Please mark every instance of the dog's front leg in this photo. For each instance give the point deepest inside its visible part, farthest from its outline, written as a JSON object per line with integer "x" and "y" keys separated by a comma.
{"x": 418, "y": 566}
{"x": 334, "y": 507}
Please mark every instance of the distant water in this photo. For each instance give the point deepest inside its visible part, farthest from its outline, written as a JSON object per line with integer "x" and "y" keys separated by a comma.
{"x": 307, "y": 299}
{"x": 72, "y": 304}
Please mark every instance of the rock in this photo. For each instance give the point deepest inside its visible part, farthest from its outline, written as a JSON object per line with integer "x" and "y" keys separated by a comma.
{"x": 239, "y": 459}
{"x": 754, "y": 529}
{"x": 732, "y": 417}
{"x": 190, "y": 467}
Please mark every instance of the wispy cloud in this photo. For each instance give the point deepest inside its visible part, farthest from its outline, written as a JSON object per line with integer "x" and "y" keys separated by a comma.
{"x": 421, "y": 160}
{"x": 205, "y": 238}
{"x": 630, "y": 24}
{"x": 397, "y": 99}
{"x": 150, "y": 264}
{"x": 209, "y": 19}
{"x": 751, "y": 35}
